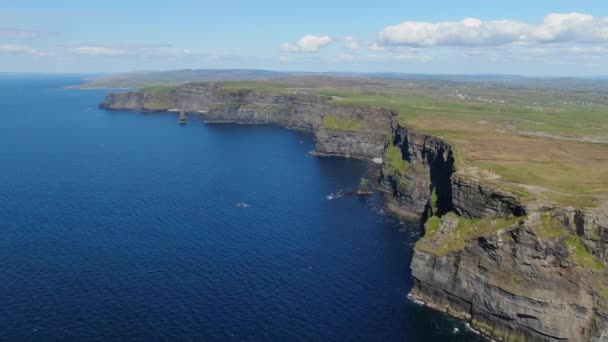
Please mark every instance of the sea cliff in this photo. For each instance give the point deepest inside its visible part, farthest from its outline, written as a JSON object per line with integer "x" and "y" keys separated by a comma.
{"x": 513, "y": 269}
{"x": 350, "y": 131}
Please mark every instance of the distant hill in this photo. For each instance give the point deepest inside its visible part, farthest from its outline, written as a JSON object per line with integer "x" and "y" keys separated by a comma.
{"x": 171, "y": 77}
{"x": 135, "y": 80}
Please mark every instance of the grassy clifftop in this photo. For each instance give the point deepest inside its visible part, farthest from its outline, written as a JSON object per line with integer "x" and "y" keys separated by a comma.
{"x": 158, "y": 98}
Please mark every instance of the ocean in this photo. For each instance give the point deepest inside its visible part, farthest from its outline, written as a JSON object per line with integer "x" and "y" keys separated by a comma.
{"x": 122, "y": 226}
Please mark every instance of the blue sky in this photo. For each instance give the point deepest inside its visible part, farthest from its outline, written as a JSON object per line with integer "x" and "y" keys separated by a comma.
{"x": 538, "y": 37}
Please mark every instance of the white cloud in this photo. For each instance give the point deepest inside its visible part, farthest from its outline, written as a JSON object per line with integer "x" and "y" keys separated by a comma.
{"x": 575, "y": 27}
{"x": 351, "y": 43}
{"x": 473, "y": 32}
{"x": 18, "y": 34}
{"x": 98, "y": 51}
{"x": 22, "y": 49}
{"x": 308, "y": 43}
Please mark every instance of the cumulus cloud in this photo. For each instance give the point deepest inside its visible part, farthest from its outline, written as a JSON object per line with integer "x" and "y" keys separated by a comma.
{"x": 18, "y": 34}
{"x": 22, "y": 49}
{"x": 308, "y": 43}
{"x": 351, "y": 43}
{"x": 575, "y": 27}
{"x": 473, "y": 32}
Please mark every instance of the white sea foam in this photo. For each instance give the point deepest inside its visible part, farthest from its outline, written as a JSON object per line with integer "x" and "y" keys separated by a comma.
{"x": 338, "y": 194}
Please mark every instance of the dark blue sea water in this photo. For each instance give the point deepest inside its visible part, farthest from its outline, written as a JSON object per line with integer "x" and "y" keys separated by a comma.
{"x": 124, "y": 226}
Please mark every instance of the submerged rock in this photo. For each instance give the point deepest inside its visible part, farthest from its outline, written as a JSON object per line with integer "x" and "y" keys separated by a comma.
{"x": 365, "y": 189}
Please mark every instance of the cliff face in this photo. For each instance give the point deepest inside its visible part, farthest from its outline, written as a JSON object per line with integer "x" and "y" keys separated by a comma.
{"x": 591, "y": 225}
{"x": 472, "y": 198}
{"x": 516, "y": 272}
{"x": 516, "y": 284}
{"x": 351, "y": 131}
{"x": 429, "y": 166}
{"x": 129, "y": 101}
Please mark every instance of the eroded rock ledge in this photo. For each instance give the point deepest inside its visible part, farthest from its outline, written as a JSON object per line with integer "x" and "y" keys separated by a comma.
{"x": 517, "y": 272}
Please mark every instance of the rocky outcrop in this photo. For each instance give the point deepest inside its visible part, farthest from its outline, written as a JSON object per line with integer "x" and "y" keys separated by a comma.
{"x": 472, "y": 198}
{"x": 366, "y": 139}
{"x": 516, "y": 272}
{"x": 430, "y": 164}
{"x": 590, "y": 224}
{"x": 128, "y": 101}
{"x": 518, "y": 284}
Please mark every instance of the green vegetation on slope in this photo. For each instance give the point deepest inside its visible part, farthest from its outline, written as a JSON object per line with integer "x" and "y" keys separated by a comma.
{"x": 442, "y": 243}
{"x": 269, "y": 88}
{"x": 440, "y": 239}
{"x": 434, "y": 202}
{"x": 550, "y": 228}
{"x": 333, "y": 121}
{"x": 159, "y": 91}
{"x": 580, "y": 255}
{"x": 158, "y": 98}
{"x": 395, "y": 159}
{"x": 397, "y": 167}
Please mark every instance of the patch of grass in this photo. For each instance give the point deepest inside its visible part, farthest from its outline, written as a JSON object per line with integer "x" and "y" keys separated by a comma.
{"x": 549, "y": 228}
{"x": 398, "y": 167}
{"x": 580, "y": 255}
{"x": 157, "y": 104}
{"x": 158, "y": 98}
{"x": 459, "y": 238}
{"x": 160, "y": 90}
{"x": 395, "y": 159}
{"x": 333, "y": 121}
{"x": 434, "y": 199}
{"x": 431, "y": 226}
{"x": 260, "y": 86}
{"x": 603, "y": 290}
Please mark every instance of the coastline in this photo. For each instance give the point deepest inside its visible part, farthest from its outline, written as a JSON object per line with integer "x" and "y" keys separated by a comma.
{"x": 423, "y": 166}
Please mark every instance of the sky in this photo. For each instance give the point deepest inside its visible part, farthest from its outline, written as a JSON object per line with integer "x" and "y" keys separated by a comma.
{"x": 533, "y": 37}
